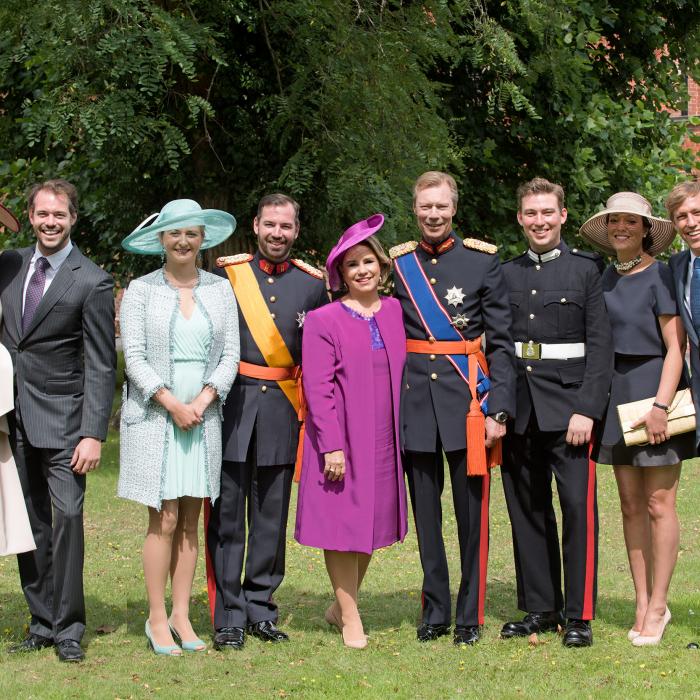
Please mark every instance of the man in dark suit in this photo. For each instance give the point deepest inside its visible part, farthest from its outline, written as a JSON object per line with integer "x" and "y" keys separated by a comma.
{"x": 58, "y": 325}
{"x": 683, "y": 206}
{"x": 563, "y": 349}
{"x": 451, "y": 291}
{"x": 261, "y": 428}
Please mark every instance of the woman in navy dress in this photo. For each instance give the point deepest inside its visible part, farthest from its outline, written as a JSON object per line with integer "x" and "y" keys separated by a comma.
{"x": 649, "y": 342}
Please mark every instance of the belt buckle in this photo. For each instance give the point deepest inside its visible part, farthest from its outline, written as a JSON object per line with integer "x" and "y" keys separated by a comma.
{"x": 532, "y": 351}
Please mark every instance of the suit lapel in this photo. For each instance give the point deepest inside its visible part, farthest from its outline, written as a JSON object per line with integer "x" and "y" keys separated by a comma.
{"x": 681, "y": 276}
{"x": 12, "y": 313}
{"x": 63, "y": 280}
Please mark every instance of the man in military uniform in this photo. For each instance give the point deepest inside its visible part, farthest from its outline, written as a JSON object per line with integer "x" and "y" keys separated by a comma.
{"x": 563, "y": 350}
{"x": 261, "y": 427}
{"x": 452, "y": 291}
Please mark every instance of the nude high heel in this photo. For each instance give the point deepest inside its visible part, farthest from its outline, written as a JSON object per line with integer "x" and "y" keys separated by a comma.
{"x": 647, "y": 641}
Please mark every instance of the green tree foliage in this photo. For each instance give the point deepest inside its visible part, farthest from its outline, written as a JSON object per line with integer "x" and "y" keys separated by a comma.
{"x": 340, "y": 103}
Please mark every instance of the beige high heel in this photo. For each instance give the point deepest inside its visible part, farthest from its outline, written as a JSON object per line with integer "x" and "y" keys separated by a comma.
{"x": 332, "y": 619}
{"x": 652, "y": 640}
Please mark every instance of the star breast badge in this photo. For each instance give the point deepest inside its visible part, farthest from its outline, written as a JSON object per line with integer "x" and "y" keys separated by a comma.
{"x": 459, "y": 321}
{"x": 301, "y": 317}
{"x": 455, "y": 296}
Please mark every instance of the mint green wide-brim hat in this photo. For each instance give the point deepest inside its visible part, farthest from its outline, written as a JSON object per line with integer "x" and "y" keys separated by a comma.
{"x": 180, "y": 213}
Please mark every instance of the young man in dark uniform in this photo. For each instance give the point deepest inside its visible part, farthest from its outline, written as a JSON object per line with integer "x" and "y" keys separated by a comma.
{"x": 563, "y": 350}
{"x": 452, "y": 291}
{"x": 261, "y": 427}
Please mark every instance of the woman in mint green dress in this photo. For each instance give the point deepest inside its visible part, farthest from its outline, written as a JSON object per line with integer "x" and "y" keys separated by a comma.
{"x": 180, "y": 335}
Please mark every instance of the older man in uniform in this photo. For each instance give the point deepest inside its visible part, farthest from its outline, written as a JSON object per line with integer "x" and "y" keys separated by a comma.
{"x": 564, "y": 359}
{"x": 452, "y": 292}
{"x": 261, "y": 427}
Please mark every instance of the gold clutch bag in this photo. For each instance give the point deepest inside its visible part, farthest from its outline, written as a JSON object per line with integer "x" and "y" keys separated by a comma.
{"x": 681, "y": 417}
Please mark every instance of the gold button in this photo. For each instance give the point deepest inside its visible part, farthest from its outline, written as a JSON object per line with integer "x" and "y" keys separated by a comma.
{"x": 532, "y": 316}
{"x": 263, "y": 388}
{"x": 433, "y": 280}
{"x": 534, "y": 291}
{"x": 537, "y": 267}
{"x": 273, "y": 300}
{"x": 432, "y": 357}
{"x": 433, "y": 376}
{"x": 270, "y": 280}
{"x": 431, "y": 339}
{"x": 272, "y": 316}
{"x": 563, "y": 300}
{"x": 528, "y": 368}
{"x": 433, "y": 261}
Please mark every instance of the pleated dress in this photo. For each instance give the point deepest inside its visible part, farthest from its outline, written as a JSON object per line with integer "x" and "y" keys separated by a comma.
{"x": 185, "y": 467}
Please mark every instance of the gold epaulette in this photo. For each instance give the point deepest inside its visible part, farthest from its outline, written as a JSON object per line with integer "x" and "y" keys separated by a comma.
{"x": 309, "y": 269}
{"x": 227, "y": 260}
{"x": 402, "y": 248}
{"x": 481, "y": 246}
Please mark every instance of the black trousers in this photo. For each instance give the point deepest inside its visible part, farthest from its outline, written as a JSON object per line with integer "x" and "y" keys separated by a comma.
{"x": 470, "y": 496}
{"x": 529, "y": 461}
{"x": 266, "y": 492}
{"x": 52, "y": 574}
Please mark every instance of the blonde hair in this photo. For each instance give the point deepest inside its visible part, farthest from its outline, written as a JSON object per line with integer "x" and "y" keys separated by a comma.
{"x": 435, "y": 178}
{"x": 382, "y": 258}
{"x": 679, "y": 194}
{"x": 540, "y": 185}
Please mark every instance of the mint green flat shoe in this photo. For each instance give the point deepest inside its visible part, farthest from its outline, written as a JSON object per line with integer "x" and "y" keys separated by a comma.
{"x": 195, "y": 645}
{"x": 170, "y": 650}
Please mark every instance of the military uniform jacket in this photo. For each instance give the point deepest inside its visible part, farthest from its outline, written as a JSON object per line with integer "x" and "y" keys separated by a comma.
{"x": 560, "y": 301}
{"x": 260, "y": 406}
{"x": 435, "y": 398}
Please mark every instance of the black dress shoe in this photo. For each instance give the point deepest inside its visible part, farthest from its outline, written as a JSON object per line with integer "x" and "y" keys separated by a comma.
{"x": 69, "y": 650}
{"x": 466, "y": 635}
{"x": 578, "y": 633}
{"x": 32, "y": 642}
{"x": 427, "y": 633}
{"x": 533, "y": 623}
{"x": 267, "y": 631}
{"x": 229, "y": 638}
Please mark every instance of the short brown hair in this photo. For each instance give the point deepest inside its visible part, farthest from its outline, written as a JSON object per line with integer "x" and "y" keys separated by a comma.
{"x": 539, "y": 185}
{"x": 435, "y": 178}
{"x": 679, "y": 194}
{"x": 57, "y": 186}
{"x": 372, "y": 242}
{"x": 277, "y": 199}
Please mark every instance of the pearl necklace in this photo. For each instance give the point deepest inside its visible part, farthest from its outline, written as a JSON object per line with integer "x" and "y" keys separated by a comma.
{"x": 627, "y": 266}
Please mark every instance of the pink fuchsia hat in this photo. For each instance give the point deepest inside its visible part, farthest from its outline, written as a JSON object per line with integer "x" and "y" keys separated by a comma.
{"x": 8, "y": 219}
{"x": 357, "y": 233}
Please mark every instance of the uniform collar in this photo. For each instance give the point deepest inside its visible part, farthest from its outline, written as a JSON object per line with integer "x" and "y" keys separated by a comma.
{"x": 437, "y": 248}
{"x": 550, "y": 255}
{"x": 270, "y": 268}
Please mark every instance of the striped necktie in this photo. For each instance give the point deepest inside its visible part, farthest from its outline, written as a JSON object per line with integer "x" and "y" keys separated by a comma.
{"x": 695, "y": 296}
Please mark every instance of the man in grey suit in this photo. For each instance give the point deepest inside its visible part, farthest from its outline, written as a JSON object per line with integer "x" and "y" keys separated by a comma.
{"x": 59, "y": 328}
{"x": 683, "y": 205}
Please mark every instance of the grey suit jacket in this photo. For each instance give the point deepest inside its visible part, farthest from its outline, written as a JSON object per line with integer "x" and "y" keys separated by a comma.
{"x": 679, "y": 266}
{"x": 65, "y": 363}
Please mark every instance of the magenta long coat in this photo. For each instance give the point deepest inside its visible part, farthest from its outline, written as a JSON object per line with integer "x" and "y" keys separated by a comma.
{"x": 338, "y": 380}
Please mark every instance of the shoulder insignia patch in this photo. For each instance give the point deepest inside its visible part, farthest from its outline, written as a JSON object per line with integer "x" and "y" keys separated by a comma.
{"x": 305, "y": 267}
{"x": 481, "y": 246}
{"x": 227, "y": 260}
{"x": 402, "y": 248}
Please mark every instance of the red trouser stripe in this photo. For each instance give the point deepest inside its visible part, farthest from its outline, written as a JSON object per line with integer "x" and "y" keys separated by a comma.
{"x": 211, "y": 578}
{"x": 483, "y": 542}
{"x": 590, "y": 538}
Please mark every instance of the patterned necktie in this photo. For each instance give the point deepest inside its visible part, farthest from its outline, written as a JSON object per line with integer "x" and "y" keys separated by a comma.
{"x": 35, "y": 290}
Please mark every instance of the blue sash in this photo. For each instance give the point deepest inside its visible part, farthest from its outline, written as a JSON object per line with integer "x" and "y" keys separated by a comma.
{"x": 436, "y": 320}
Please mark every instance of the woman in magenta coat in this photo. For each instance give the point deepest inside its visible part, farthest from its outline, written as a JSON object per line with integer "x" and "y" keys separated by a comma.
{"x": 352, "y": 497}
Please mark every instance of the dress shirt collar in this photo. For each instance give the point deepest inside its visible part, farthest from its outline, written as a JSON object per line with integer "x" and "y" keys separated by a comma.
{"x": 55, "y": 259}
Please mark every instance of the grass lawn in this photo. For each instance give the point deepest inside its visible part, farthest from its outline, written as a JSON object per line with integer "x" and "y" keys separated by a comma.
{"x": 315, "y": 664}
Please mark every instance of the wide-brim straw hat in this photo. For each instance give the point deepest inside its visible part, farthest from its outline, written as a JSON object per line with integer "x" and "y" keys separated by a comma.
{"x": 357, "y": 233}
{"x": 595, "y": 230}
{"x": 8, "y": 219}
{"x": 180, "y": 213}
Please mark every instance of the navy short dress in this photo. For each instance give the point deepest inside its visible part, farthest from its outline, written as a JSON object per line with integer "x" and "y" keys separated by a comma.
{"x": 634, "y": 304}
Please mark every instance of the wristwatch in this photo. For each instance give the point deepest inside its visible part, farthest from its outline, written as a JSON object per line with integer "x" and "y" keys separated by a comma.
{"x": 500, "y": 417}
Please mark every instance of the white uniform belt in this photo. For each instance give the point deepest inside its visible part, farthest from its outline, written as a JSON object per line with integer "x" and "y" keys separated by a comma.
{"x": 550, "y": 351}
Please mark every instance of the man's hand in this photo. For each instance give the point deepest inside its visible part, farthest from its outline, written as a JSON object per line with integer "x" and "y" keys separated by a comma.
{"x": 494, "y": 431}
{"x": 86, "y": 455}
{"x": 580, "y": 429}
